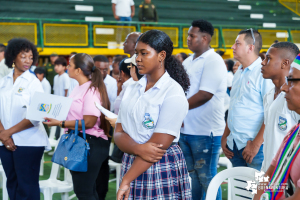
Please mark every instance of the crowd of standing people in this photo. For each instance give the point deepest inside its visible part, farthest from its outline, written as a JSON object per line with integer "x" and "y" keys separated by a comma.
{"x": 176, "y": 114}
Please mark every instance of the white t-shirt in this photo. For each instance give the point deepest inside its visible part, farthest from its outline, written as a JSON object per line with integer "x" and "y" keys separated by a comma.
{"x": 15, "y": 99}
{"x": 73, "y": 84}
{"x": 61, "y": 83}
{"x": 123, "y": 8}
{"x": 46, "y": 86}
{"x": 112, "y": 90}
{"x": 4, "y": 70}
{"x": 207, "y": 73}
{"x": 161, "y": 109}
{"x": 229, "y": 79}
{"x": 120, "y": 97}
{"x": 278, "y": 121}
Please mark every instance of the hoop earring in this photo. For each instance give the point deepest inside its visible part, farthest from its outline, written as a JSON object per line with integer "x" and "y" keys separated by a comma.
{"x": 13, "y": 65}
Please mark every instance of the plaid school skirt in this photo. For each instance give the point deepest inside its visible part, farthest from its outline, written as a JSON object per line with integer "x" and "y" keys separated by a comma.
{"x": 166, "y": 179}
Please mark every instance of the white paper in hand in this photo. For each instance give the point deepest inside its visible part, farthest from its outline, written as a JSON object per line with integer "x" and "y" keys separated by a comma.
{"x": 106, "y": 112}
{"x": 48, "y": 105}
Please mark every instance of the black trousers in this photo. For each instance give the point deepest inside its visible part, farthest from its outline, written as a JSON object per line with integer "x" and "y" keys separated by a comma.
{"x": 85, "y": 182}
{"x": 103, "y": 176}
{"x": 22, "y": 168}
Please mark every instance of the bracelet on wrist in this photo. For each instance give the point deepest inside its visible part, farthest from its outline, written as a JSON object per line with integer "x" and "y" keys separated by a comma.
{"x": 124, "y": 190}
{"x": 63, "y": 124}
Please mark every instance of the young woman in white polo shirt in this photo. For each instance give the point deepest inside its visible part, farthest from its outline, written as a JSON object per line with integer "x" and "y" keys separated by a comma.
{"x": 149, "y": 121}
{"x": 23, "y": 141}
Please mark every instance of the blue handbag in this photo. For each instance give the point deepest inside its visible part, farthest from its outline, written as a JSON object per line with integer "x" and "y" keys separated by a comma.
{"x": 72, "y": 150}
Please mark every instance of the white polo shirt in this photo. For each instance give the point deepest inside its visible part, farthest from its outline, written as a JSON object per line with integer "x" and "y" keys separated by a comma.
{"x": 278, "y": 121}
{"x": 120, "y": 96}
{"x": 123, "y": 7}
{"x": 4, "y": 70}
{"x": 161, "y": 109}
{"x": 112, "y": 90}
{"x": 46, "y": 86}
{"x": 61, "y": 83}
{"x": 15, "y": 98}
{"x": 73, "y": 84}
{"x": 207, "y": 72}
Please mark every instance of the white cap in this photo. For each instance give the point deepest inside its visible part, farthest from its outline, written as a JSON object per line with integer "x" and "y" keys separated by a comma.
{"x": 131, "y": 60}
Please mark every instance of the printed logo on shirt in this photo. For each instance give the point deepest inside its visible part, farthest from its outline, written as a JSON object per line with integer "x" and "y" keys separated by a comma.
{"x": 44, "y": 107}
{"x": 148, "y": 122}
{"x": 282, "y": 123}
{"x": 20, "y": 90}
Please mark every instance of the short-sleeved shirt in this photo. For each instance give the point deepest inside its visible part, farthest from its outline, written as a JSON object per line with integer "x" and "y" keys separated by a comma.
{"x": 161, "y": 109}
{"x": 207, "y": 73}
{"x": 295, "y": 172}
{"x": 84, "y": 99}
{"x": 123, "y": 7}
{"x": 246, "y": 111}
{"x": 4, "y": 70}
{"x": 278, "y": 121}
{"x": 50, "y": 73}
{"x": 73, "y": 84}
{"x": 61, "y": 83}
{"x": 15, "y": 99}
{"x": 112, "y": 90}
{"x": 229, "y": 79}
{"x": 120, "y": 96}
{"x": 46, "y": 86}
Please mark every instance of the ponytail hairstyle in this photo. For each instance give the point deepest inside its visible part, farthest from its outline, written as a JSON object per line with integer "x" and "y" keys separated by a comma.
{"x": 160, "y": 41}
{"x": 86, "y": 64}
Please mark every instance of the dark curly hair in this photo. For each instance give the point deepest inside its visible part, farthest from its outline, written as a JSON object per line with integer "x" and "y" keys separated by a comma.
{"x": 17, "y": 45}
{"x": 160, "y": 41}
{"x": 204, "y": 26}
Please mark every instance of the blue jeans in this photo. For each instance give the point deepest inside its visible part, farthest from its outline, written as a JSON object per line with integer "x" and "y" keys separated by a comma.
{"x": 202, "y": 155}
{"x": 238, "y": 161}
{"x": 125, "y": 19}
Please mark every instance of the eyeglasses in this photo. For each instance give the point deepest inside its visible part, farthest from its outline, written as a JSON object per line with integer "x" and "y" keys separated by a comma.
{"x": 287, "y": 79}
{"x": 251, "y": 29}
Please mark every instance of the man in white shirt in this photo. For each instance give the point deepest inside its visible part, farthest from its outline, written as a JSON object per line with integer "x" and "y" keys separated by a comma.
{"x": 200, "y": 138}
{"x": 40, "y": 73}
{"x": 278, "y": 119}
{"x": 102, "y": 63}
{"x": 111, "y": 84}
{"x": 123, "y": 10}
{"x": 4, "y": 70}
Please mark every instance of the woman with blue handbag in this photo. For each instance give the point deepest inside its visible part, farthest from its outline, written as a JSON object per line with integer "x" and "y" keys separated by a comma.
{"x": 23, "y": 141}
{"x": 91, "y": 89}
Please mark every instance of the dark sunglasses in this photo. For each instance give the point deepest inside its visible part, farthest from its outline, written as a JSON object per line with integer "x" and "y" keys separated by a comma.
{"x": 287, "y": 79}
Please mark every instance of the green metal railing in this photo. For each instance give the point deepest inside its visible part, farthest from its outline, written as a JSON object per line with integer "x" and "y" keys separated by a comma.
{"x": 107, "y": 34}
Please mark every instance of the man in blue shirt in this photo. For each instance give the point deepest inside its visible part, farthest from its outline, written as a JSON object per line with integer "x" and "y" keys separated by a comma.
{"x": 242, "y": 141}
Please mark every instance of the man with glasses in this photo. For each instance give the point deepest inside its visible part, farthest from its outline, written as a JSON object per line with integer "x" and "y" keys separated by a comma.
{"x": 102, "y": 63}
{"x": 278, "y": 118}
{"x": 242, "y": 141}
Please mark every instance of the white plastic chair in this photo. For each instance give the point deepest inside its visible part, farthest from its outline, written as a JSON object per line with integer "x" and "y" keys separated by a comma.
{"x": 225, "y": 162}
{"x": 4, "y": 190}
{"x": 116, "y": 166}
{"x": 52, "y": 185}
{"x": 238, "y": 177}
